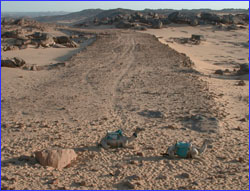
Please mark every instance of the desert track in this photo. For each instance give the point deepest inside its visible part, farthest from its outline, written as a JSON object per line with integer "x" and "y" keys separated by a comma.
{"x": 123, "y": 80}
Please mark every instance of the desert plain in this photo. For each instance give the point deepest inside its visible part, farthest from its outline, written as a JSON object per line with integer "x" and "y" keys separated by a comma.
{"x": 107, "y": 78}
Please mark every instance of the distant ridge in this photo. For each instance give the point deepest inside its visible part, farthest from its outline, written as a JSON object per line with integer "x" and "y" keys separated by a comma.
{"x": 32, "y": 14}
{"x": 89, "y": 14}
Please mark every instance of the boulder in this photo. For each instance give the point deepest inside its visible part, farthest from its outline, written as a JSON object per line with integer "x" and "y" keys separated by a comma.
{"x": 197, "y": 37}
{"x": 144, "y": 19}
{"x": 183, "y": 18}
{"x": 10, "y": 34}
{"x": 20, "y": 22}
{"x": 240, "y": 19}
{"x": 59, "y": 158}
{"x": 12, "y": 63}
{"x": 165, "y": 21}
{"x": 227, "y": 19}
{"x": 124, "y": 25}
{"x": 7, "y": 48}
{"x": 66, "y": 41}
{"x": 42, "y": 39}
{"x": 62, "y": 39}
{"x": 210, "y": 17}
{"x": 24, "y": 46}
{"x": 194, "y": 22}
{"x": 157, "y": 24}
{"x": 244, "y": 69}
{"x": 219, "y": 72}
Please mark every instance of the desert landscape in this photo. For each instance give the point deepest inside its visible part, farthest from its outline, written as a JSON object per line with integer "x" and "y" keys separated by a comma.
{"x": 168, "y": 75}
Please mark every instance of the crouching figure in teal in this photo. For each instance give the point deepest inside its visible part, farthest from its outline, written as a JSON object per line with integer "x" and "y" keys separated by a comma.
{"x": 186, "y": 150}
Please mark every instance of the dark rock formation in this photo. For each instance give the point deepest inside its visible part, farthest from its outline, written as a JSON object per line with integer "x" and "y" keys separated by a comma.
{"x": 12, "y": 63}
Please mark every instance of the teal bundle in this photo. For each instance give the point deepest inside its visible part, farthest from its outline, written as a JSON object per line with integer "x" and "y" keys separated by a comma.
{"x": 114, "y": 135}
{"x": 182, "y": 149}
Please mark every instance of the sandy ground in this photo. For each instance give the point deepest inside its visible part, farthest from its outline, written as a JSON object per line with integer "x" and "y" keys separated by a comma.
{"x": 220, "y": 50}
{"x": 111, "y": 85}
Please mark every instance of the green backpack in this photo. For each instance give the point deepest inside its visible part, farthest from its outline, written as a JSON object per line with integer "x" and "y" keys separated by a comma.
{"x": 114, "y": 135}
{"x": 182, "y": 149}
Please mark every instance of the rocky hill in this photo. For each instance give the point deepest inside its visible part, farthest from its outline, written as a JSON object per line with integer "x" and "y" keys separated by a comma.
{"x": 72, "y": 17}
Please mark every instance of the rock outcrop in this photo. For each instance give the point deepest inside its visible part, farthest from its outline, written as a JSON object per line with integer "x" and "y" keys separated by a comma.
{"x": 15, "y": 62}
{"x": 66, "y": 41}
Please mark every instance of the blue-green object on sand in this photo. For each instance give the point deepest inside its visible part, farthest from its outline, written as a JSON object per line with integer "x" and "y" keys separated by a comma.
{"x": 114, "y": 135}
{"x": 182, "y": 149}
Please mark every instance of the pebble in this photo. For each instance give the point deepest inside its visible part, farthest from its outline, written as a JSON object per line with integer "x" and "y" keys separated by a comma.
{"x": 133, "y": 177}
{"x": 150, "y": 148}
{"x": 116, "y": 173}
{"x": 128, "y": 184}
{"x": 195, "y": 183}
{"x": 161, "y": 177}
{"x": 134, "y": 162}
{"x": 241, "y": 160}
{"x": 220, "y": 72}
{"x": 54, "y": 181}
{"x": 82, "y": 183}
{"x": 140, "y": 154}
{"x": 241, "y": 83}
{"x": 184, "y": 175}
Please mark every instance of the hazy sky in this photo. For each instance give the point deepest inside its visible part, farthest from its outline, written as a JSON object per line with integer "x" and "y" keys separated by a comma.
{"x": 72, "y": 6}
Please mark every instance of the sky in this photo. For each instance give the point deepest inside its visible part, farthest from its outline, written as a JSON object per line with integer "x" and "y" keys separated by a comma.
{"x": 73, "y": 6}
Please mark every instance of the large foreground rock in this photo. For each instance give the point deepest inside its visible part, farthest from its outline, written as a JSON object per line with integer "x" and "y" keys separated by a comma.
{"x": 59, "y": 158}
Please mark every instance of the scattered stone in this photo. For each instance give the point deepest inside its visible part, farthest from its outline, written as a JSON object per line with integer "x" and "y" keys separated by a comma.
{"x": 183, "y": 175}
{"x": 24, "y": 158}
{"x": 171, "y": 126}
{"x": 116, "y": 173}
{"x": 4, "y": 178}
{"x": 161, "y": 177}
{"x": 133, "y": 177}
{"x": 139, "y": 154}
{"x": 241, "y": 160}
{"x": 220, "y": 176}
{"x": 54, "y": 181}
{"x": 197, "y": 37}
{"x": 151, "y": 114}
{"x": 119, "y": 165}
{"x": 134, "y": 162}
{"x": 150, "y": 148}
{"x": 243, "y": 119}
{"x": 219, "y": 72}
{"x": 24, "y": 46}
{"x": 10, "y": 48}
{"x": 244, "y": 69}
{"x": 4, "y": 187}
{"x": 82, "y": 183}
{"x": 56, "y": 158}
{"x": 241, "y": 83}
{"x": 128, "y": 184}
